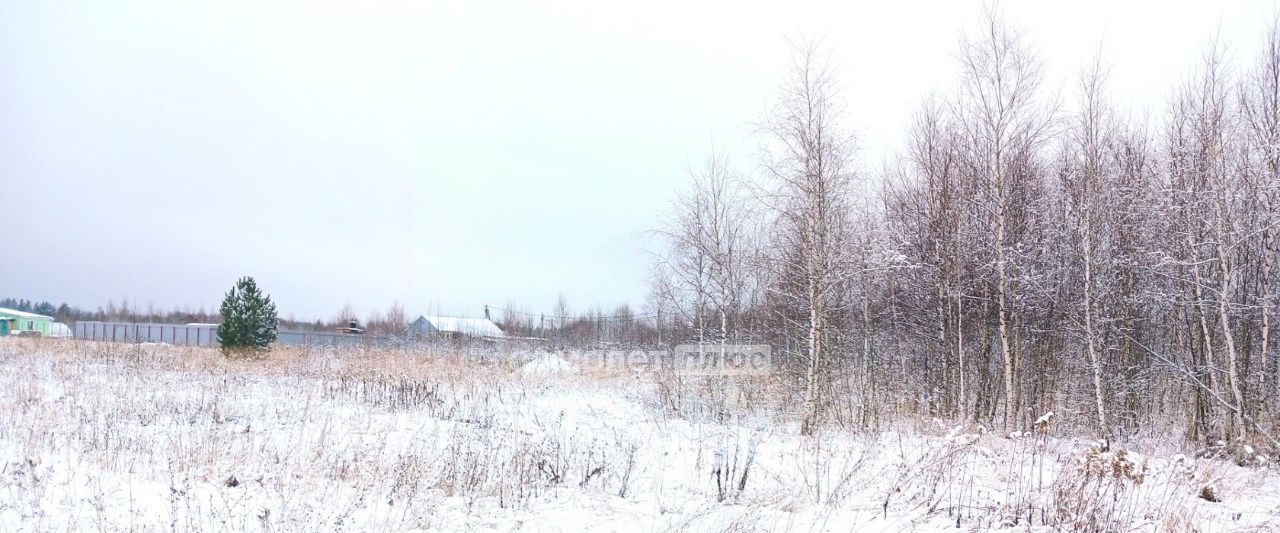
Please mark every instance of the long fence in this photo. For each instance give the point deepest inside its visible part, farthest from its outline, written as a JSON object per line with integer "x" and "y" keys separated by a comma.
{"x": 207, "y": 335}
{"x": 191, "y": 335}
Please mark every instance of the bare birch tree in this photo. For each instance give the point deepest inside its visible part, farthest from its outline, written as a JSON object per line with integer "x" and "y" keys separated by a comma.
{"x": 1087, "y": 181}
{"x": 807, "y": 157}
{"x": 705, "y": 275}
{"x": 1005, "y": 123}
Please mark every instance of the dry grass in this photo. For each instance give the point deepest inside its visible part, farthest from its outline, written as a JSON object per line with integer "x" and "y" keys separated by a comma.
{"x": 152, "y": 437}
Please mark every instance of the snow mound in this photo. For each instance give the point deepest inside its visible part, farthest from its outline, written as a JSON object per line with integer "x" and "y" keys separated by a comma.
{"x": 546, "y": 365}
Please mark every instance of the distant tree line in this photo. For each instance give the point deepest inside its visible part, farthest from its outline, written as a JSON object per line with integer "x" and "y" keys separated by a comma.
{"x": 126, "y": 312}
{"x": 40, "y": 308}
{"x": 593, "y": 327}
{"x": 562, "y": 326}
{"x": 392, "y": 322}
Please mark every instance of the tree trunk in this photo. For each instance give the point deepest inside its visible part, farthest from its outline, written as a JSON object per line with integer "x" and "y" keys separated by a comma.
{"x": 1010, "y": 395}
{"x": 812, "y": 380}
{"x": 1233, "y": 373}
{"x": 1094, "y": 360}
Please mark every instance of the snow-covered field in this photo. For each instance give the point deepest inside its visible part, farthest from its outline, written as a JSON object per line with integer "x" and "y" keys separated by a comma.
{"x": 151, "y": 437}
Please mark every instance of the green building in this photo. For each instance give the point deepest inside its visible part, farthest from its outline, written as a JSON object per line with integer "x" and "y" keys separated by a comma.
{"x": 13, "y": 322}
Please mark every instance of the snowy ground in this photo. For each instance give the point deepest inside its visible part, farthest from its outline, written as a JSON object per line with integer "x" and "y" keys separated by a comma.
{"x": 149, "y": 437}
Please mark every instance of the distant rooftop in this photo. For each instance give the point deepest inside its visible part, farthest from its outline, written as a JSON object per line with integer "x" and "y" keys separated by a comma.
{"x": 23, "y": 314}
{"x": 479, "y": 327}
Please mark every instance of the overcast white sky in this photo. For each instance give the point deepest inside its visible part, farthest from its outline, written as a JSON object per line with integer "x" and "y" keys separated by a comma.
{"x": 449, "y": 155}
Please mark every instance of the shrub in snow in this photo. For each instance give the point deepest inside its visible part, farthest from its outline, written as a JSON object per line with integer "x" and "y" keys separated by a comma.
{"x": 1041, "y": 424}
{"x": 1244, "y": 454}
{"x": 1099, "y": 492}
{"x": 1209, "y": 493}
{"x": 732, "y": 466}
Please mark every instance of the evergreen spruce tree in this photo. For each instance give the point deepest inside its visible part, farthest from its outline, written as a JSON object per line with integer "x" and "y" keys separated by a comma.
{"x": 45, "y": 308}
{"x": 249, "y": 319}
